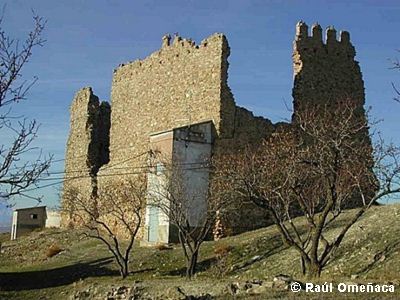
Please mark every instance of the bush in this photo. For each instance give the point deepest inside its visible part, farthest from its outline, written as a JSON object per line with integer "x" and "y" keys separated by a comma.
{"x": 53, "y": 250}
{"x": 162, "y": 247}
{"x": 221, "y": 252}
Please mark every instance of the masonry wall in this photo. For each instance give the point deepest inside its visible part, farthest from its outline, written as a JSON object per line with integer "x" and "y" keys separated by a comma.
{"x": 246, "y": 130}
{"x": 326, "y": 74}
{"x": 180, "y": 84}
{"x": 177, "y": 85}
{"x": 184, "y": 83}
{"x": 325, "y": 70}
{"x": 87, "y": 148}
{"x": 240, "y": 129}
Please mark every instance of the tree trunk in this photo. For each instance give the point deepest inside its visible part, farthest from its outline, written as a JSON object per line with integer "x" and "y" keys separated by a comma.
{"x": 314, "y": 270}
{"x": 303, "y": 266}
{"x": 124, "y": 269}
{"x": 192, "y": 264}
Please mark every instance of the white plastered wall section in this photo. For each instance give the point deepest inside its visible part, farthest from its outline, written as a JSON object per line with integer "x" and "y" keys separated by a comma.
{"x": 190, "y": 147}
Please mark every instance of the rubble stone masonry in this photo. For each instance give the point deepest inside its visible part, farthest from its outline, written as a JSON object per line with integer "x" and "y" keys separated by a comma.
{"x": 87, "y": 147}
{"x": 325, "y": 71}
{"x": 182, "y": 84}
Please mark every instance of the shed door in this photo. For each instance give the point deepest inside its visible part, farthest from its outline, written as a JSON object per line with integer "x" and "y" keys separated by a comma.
{"x": 153, "y": 224}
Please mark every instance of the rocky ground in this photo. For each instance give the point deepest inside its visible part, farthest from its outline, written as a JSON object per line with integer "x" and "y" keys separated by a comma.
{"x": 252, "y": 267}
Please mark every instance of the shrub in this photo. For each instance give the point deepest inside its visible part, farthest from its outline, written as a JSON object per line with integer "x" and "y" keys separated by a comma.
{"x": 162, "y": 247}
{"x": 53, "y": 250}
{"x": 221, "y": 252}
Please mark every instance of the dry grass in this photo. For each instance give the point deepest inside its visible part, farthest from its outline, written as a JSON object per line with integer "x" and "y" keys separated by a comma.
{"x": 221, "y": 262}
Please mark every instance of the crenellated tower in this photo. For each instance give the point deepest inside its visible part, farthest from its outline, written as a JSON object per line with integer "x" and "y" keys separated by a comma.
{"x": 325, "y": 70}
{"x": 328, "y": 79}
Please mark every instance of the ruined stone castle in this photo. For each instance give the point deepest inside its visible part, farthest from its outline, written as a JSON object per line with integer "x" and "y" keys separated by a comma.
{"x": 178, "y": 99}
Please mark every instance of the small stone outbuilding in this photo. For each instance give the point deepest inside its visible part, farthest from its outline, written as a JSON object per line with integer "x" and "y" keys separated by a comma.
{"x": 26, "y": 220}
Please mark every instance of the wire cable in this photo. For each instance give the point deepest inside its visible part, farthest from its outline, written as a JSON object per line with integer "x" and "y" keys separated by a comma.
{"x": 102, "y": 175}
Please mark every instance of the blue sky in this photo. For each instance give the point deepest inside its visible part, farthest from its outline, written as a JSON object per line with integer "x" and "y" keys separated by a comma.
{"x": 86, "y": 40}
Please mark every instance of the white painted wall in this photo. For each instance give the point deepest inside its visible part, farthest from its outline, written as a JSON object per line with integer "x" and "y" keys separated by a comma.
{"x": 190, "y": 147}
{"x": 53, "y": 219}
{"x": 14, "y": 225}
{"x": 192, "y": 153}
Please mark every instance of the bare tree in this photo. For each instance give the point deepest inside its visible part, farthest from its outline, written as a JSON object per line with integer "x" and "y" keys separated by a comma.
{"x": 15, "y": 174}
{"x": 396, "y": 66}
{"x": 324, "y": 164}
{"x": 192, "y": 211}
{"x": 114, "y": 217}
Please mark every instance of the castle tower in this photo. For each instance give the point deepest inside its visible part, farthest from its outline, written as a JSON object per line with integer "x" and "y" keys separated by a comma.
{"x": 87, "y": 147}
{"x": 327, "y": 77}
{"x": 324, "y": 70}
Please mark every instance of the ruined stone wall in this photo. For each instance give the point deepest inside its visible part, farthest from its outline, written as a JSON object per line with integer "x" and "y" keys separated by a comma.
{"x": 87, "y": 147}
{"x": 180, "y": 84}
{"x": 324, "y": 71}
{"x": 246, "y": 130}
{"x": 240, "y": 129}
{"x": 239, "y": 126}
{"x": 184, "y": 83}
{"x": 326, "y": 75}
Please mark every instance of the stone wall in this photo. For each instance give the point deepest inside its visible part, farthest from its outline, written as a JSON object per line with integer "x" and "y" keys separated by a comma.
{"x": 324, "y": 71}
{"x": 87, "y": 147}
{"x": 184, "y": 83}
{"x": 326, "y": 75}
{"x": 180, "y": 84}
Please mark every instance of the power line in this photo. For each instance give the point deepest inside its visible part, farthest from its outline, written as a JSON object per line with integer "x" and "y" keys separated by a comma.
{"x": 124, "y": 161}
{"x": 113, "y": 150}
{"x": 125, "y": 168}
{"x": 112, "y": 168}
{"x": 122, "y": 168}
{"x": 63, "y": 159}
{"x": 112, "y": 174}
{"x": 102, "y": 175}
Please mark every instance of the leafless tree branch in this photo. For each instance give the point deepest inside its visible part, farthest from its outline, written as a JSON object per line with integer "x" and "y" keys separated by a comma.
{"x": 322, "y": 165}
{"x": 114, "y": 217}
{"x": 15, "y": 174}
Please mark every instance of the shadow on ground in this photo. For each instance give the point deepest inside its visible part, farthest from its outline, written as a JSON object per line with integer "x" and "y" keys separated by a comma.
{"x": 30, "y": 280}
{"x": 201, "y": 267}
{"x": 275, "y": 246}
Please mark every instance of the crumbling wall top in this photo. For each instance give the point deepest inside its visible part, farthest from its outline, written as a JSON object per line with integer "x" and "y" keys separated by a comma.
{"x": 177, "y": 43}
{"x": 83, "y": 96}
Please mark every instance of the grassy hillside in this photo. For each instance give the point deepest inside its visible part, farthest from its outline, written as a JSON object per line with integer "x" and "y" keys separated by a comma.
{"x": 85, "y": 270}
